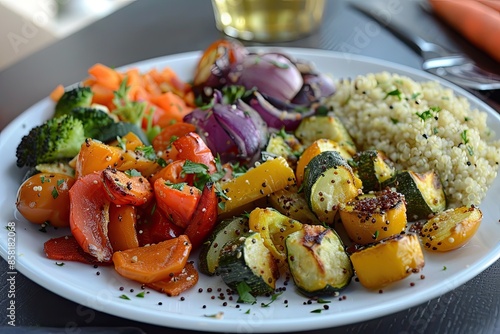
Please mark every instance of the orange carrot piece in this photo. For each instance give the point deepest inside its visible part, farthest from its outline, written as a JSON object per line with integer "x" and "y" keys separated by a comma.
{"x": 181, "y": 282}
{"x": 105, "y": 76}
{"x": 174, "y": 106}
{"x": 103, "y": 95}
{"x": 171, "y": 172}
{"x": 56, "y": 94}
{"x": 155, "y": 262}
{"x": 474, "y": 20}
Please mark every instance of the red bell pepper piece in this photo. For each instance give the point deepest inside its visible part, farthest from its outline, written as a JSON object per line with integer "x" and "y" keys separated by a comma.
{"x": 204, "y": 218}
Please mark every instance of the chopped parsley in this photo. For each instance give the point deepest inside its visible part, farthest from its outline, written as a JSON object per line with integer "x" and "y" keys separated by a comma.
{"x": 140, "y": 294}
{"x": 318, "y": 310}
{"x": 55, "y": 193}
{"x": 396, "y": 93}
{"x": 273, "y": 298}
{"x": 124, "y": 297}
{"x": 122, "y": 143}
{"x": 245, "y": 296}
{"x": 132, "y": 172}
{"x": 147, "y": 152}
{"x": 394, "y": 120}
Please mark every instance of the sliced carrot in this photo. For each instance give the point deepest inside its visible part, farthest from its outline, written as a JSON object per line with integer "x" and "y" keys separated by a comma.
{"x": 56, "y": 94}
{"x": 174, "y": 106}
{"x": 170, "y": 133}
{"x": 105, "y": 76}
{"x": 178, "y": 202}
{"x": 67, "y": 249}
{"x": 179, "y": 283}
{"x": 121, "y": 229}
{"x": 155, "y": 262}
{"x": 123, "y": 189}
{"x": 103, "y": 95}
{"x": 474, "y": 20}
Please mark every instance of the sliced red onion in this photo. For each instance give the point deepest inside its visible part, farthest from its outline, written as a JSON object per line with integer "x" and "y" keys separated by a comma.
{"x": 278, "y": 114}
{"x": 216, "y": 138}
{"x": 235, "y": 132}
{"x": 270, "y": 73}
{"x": 315, "y": 87}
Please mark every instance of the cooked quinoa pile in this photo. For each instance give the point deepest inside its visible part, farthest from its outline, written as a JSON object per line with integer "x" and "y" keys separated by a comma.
{"x": 421, "y": 126}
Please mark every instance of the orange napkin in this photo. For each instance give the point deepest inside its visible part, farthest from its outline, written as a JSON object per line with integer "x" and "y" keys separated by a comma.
{"x": 476, "y": 20}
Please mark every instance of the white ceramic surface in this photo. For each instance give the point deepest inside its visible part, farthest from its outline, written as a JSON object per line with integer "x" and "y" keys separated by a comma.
{"x": 81, "y": 284}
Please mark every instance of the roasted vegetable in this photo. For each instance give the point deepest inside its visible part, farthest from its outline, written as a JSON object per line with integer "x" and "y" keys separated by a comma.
{"x": 374, "y": 216}
{"x": 329, "y": 182}
{"x": 256, "y": 183}
{"x": 247, "y": 260}
{"x": 56, "y": 139}
{"x": 318, "y": 146}
{"x": 423, "y": 193}
{"x": 273, "y": 227}
{"x": 373, "y": 168}
{"x": 318, "y": 262}
{"x": 44, "y": 198}
{"x": 388, "y": 260}
{"x": 227, "y": 230}
{"x": 451, "y": 229}
{"x": 325, "y": 127}
{"x": 293, "y": 204}
{"x": 73, "y": 98}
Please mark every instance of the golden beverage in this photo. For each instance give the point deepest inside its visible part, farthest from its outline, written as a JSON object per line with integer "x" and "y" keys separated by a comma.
{"x": 268, "y": 20}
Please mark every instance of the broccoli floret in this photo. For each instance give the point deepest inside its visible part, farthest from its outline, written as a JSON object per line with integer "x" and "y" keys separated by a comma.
{"x": 93, "y": 120}
{"x": 56, "y": 139}
{"x": 74, "y": 98}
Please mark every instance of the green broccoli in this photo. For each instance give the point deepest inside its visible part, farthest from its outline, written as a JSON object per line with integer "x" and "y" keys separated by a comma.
{"x": 76, "y": 97}
{"x": 94, "y": 120}
{"x": 58, "y": 138}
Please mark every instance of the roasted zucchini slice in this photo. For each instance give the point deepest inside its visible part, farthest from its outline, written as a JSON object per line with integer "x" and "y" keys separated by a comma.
{"x": 387, "y": 261}
{"x": 293, "y": 204}
{"x": 328, "y": 127}
{"x": 273, "y": 227}
{"x": 374, "y": 216}
{"x": 328, "y": 182}
{"x": 423, "y": 193}
{"x": 248, "y": 260}
{"x": 451, "y": 229}
{"x": 318, "y": 262}
{"x": 373, "y": 168}
{"x": 227, "y": 230}
{"x": 318, "y": 146}
{"x": 284, "y": 145}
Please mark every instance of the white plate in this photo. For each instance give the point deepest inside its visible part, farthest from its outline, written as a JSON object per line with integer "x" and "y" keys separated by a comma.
{"x": 81, "y": 284}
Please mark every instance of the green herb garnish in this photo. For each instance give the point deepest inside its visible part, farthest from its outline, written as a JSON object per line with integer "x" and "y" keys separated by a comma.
{"x": 245, "y": 296}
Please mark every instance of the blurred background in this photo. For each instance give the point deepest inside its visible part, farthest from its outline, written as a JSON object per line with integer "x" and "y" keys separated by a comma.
{"x": 29, "y": 25}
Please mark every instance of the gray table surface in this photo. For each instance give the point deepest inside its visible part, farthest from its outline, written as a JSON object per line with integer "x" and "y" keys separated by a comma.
{"x": 147, "y": 29}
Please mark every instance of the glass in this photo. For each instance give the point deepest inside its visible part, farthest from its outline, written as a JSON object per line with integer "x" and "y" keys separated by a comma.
{"x": 268, "y": 20}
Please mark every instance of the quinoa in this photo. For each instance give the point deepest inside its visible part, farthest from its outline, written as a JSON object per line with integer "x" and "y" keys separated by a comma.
{"x": 421, "y": 126}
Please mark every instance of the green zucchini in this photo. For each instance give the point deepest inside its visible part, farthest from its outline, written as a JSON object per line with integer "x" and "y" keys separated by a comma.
{"x": 284, "y": 145}
{"x": 227, "y": 230}
{"x": 293, "y": 204}
{"x": 423, "y": 193}
{"x": 120, "y": 129}
{"x": 328, "y": 182}
{"x": 325, "y": 127}
{"x": 373, "y": 168}
{"x": 246, "y": 259}
{"x": 319, "y": 264}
